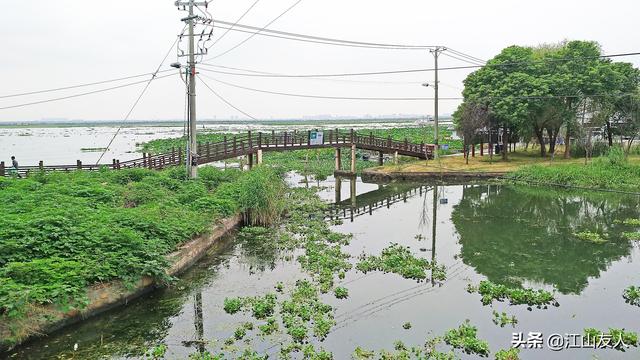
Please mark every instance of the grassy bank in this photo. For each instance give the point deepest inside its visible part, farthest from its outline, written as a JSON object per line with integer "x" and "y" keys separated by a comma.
{"x": 64, "y": 232}
{"x": 611, "y": 171}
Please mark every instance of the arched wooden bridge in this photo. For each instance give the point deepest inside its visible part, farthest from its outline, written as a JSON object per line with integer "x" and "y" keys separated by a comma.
{"x": 252, "y": 145}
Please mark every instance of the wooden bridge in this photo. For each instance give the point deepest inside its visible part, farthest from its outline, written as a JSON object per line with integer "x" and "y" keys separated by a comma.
{"x": 252, "y": 145}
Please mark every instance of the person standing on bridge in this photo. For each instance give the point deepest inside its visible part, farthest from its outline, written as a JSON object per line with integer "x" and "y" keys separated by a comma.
{"x": 14, "y": 166}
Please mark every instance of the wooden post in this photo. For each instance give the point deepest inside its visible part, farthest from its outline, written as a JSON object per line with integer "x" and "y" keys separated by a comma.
{"x": 234, "y": 145}
{"x": 225, "y": 145}
{"x": 113, "y": 164}
{"x": 481, "y": 146}
{"x": 370, "y": 138}
{"x": 352, "y": 134}
{"x": 208, "y": 151}
{"x": 250, "y": 140}
{"x": 406, "y": 143}
{"x": 250, "y": 160}
{"x": 380, "y": 158}
{"x": 144, "y": 159}
{"x": 285, "y": 139}
{"x": 273, "y": 137}
{"x": 2, "y": 169}
{"x": 473, "y": 150}
{"x": 338, "y": 158}
{"x": 78, "y": 164}
{"x": 308, "y": 137}
{"x": 337, "y": 135}
{"x": 259, "y": 156}
{"x": 118, "y": 164}
{"x": 330, "y": 136}
{"x": 259, "y": 140}
{"x": 353, "y": 157}
{"x": 389, "y": 141}
{"x": 179, "y": 156}
{"x": 41, "y": 165}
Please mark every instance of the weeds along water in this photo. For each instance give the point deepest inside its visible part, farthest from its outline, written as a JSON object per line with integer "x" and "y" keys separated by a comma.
{"x": 299, "y": 290}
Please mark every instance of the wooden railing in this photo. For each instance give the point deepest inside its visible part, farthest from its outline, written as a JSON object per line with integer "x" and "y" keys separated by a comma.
{"x": 239, "y": 145}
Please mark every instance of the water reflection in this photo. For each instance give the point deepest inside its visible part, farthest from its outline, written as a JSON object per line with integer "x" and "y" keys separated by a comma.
{"x": 517, "y": 234}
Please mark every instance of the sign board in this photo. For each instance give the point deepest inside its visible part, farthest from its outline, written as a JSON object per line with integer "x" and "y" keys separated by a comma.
{"x": 316, "y": 138}
{"x": 444, "y": 146}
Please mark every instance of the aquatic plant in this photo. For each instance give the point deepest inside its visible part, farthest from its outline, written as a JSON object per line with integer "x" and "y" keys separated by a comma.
{"x": 399, "y": 260}
{"x": 593, "y": 237}
{"x": 516, "y": 296}
{"x": 511, "y": 354}
{"x": 341, "y": 292}
{"x": 269, "y": 327}
{"x": 632, "y": 295}
{"x": 503, "y": 319}
{"x": 157, "y": 352}
{"x": 465, "y": 338}
{"x": 406, "y": 325}
{"x": 205, "y": 356}
{"x": 233, "y": 305}
{"x": 631, "y": 222}
{"x": 632, "y": 235}
{"x": 618, "y": 339}
{"x": 240, "y": 333}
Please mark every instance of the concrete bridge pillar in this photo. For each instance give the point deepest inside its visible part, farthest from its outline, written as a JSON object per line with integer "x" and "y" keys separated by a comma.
{"x": 259, "y": 156}
{"x": 338, "y": 158}
{"x": 353, "y": 158}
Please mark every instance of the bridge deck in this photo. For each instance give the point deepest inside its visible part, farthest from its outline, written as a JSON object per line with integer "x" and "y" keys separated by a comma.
{"x": 250, "y": 143}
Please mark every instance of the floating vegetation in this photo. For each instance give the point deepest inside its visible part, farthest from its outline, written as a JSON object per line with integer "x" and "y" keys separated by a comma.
{"x": 516, "y": 296}
{"x": 632, "y": 295}
{"x": 341, "y": 292}
{"x": 591, "y": 237}
{"x": 503, "y": 319}
{"x": 402, "y": 352}
{"x": 618, "y": 339}
{"x": 93, "y": 149}
{"x": 419, "y": 237}
{"x": 464, "y": 337}
{"x": 269, "y": 327}
{"x": 261, "y": 306}
{"x": 635, "y": 236}
{"x": 406, "y": 326}
{"x": 511, "y": 354}
{"x": 629, "y": 221}
{"x": 399, "y": 260}
{"x": 157, "y": 352}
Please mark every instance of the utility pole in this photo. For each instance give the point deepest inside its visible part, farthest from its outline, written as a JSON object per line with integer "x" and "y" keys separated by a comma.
{"x": 436, "y": 52}
{"x": 192, "y": 144}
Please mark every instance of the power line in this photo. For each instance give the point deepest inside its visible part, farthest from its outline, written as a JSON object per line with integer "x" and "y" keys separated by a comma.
{"x": 407, "y": 98}
{"x": 258, "y": 31}
{"x": 144, "y": 90}
{"x": 472, "y": 62}
{"x": 433, "y": 69}
{"x": 300, "y": 37}
{"x": 325, "y": 97}
{"x": 81, "y": 94}
{"x": 235, "y": 23}
{"x": 225, "y": 101}
{"x": 323, "y": 79}
{"x": 470, "y": 57}
{"x": 78, "y": 86}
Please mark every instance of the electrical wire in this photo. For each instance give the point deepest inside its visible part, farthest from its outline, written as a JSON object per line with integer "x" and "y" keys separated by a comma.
{"x": 78, "y": 86}
{"x": 408, "y": 98}
{"x": 303, "y": 37}
{"x": 235, "y": 23}
{"x": 80, "y": 94}
{"x": 470, "y": 57}
{"x": 433, "y": 69}
{"x": 144, "y": 90}
{"x": 258, "y": 31}
{"x": 323, "y": 79}
{"x": 225, "y": 101}
{"x": 460, "y": 58}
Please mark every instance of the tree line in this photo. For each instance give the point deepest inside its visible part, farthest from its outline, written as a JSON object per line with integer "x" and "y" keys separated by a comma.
{"x": 548, "y": 94}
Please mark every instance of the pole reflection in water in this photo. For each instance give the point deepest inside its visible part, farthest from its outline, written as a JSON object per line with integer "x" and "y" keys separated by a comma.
{"x": 434, "y": 219}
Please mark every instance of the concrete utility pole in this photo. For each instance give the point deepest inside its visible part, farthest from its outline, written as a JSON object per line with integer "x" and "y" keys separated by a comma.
{"x": 436, "y": 52}
{"x": 192, "y": 144}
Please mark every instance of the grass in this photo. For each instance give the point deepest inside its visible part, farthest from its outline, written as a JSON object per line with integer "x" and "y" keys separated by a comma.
{"x": 606, "y": 172}
{"x": 64, "y": 232}
{"x": 516, "y": 296}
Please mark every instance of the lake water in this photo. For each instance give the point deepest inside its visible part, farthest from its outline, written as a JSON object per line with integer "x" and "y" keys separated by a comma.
{"x": 63, "y": 145}
{"x": 512, "y": 235}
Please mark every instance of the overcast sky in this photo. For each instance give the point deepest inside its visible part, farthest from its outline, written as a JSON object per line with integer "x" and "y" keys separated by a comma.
{"x": 48, "y": 44}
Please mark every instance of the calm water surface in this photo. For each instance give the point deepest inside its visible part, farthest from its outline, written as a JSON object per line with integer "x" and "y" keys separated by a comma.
{"x": 509, "y": 235}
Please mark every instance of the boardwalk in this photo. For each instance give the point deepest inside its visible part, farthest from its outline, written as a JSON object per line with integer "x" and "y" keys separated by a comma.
{"x": 252, "y": 145}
